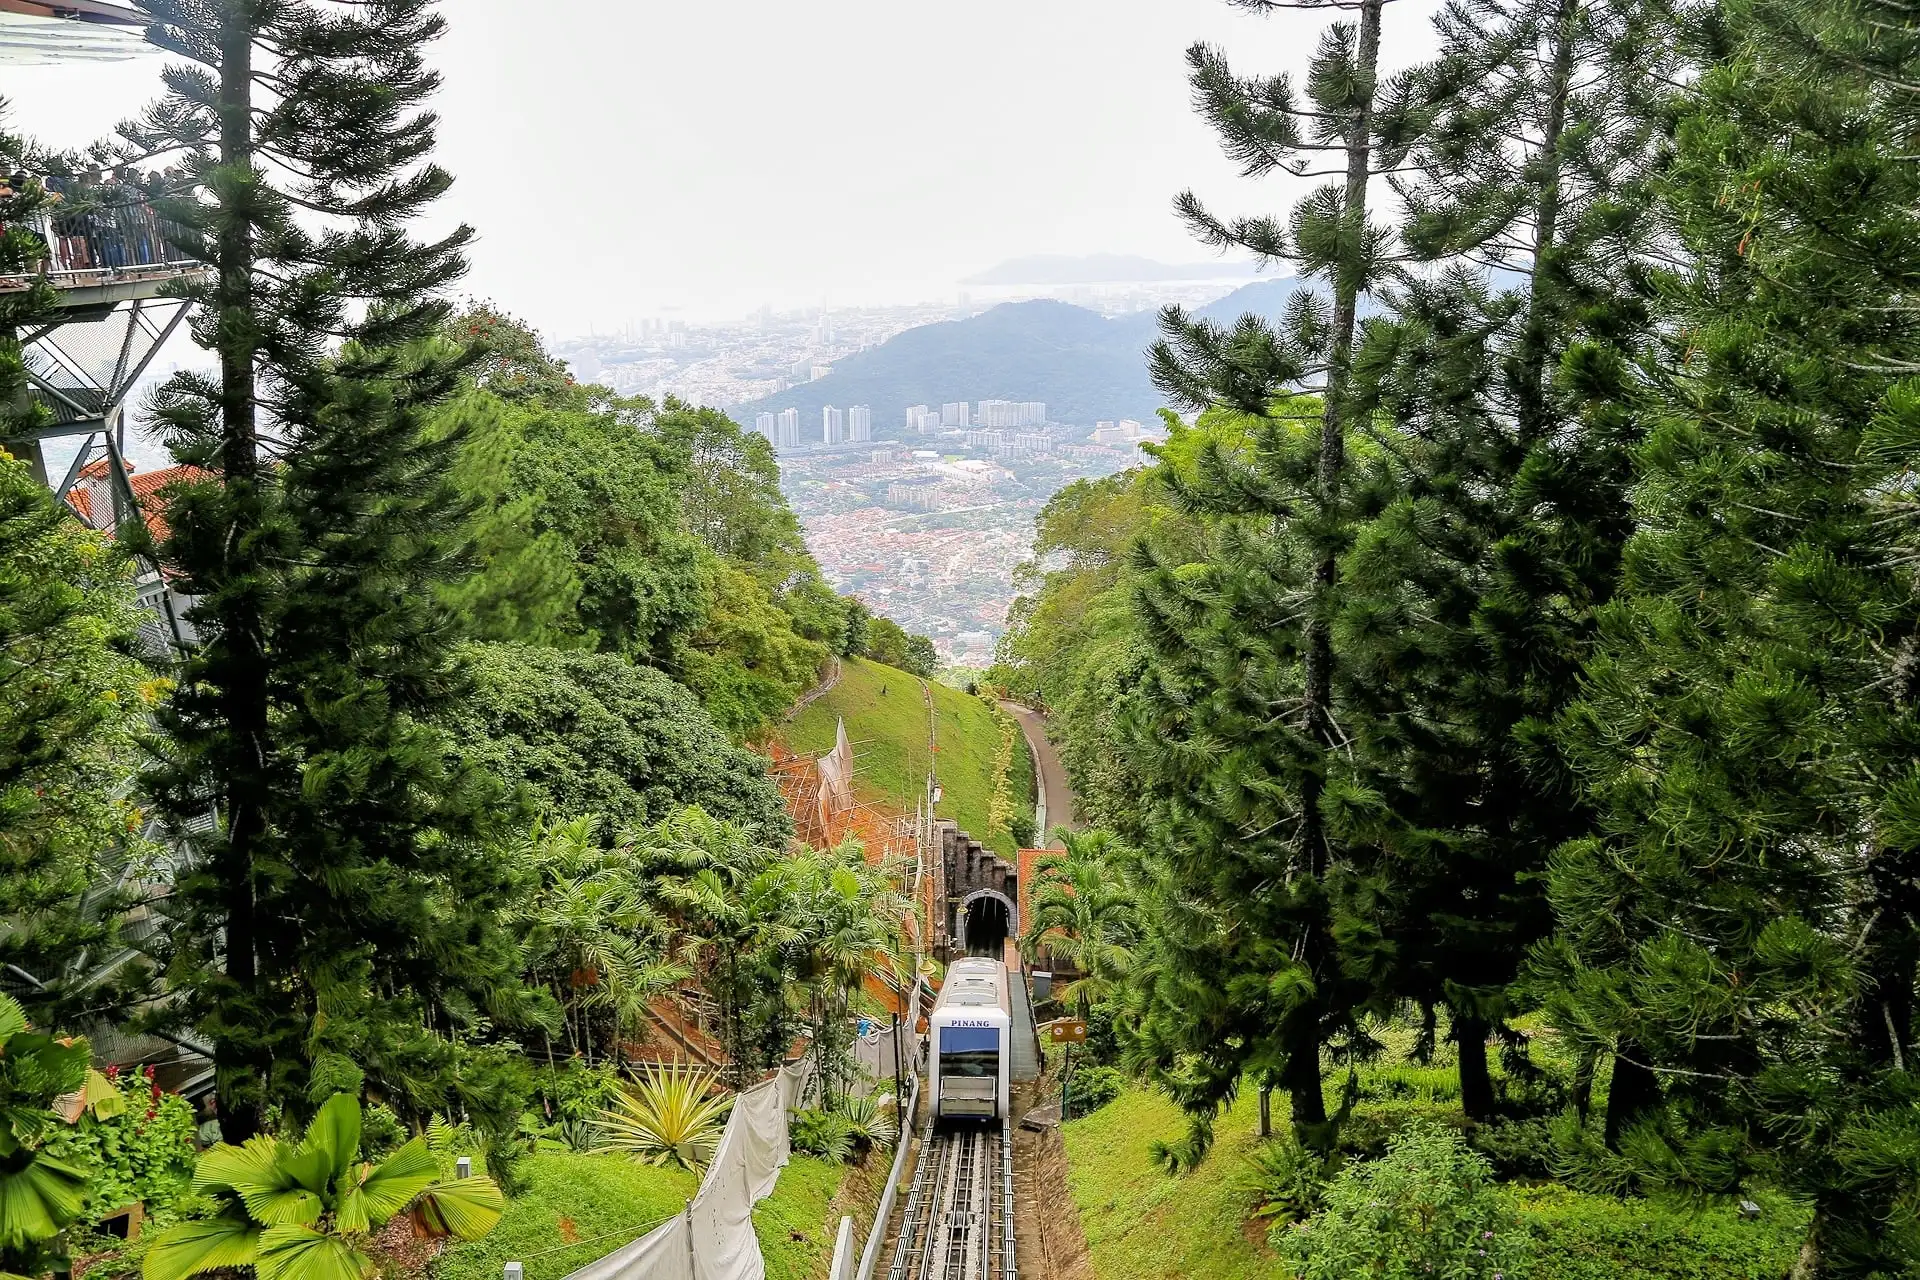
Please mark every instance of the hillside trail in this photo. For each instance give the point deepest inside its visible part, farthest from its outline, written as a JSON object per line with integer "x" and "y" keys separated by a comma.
{"x": 1056, "y": 798}
{"x": 814, "y": 694}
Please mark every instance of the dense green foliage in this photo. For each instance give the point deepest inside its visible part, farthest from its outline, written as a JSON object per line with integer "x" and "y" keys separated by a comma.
{"x": 136, "y": 1142}
{"x": 305, "y": 1209}
{"x": 70, "y": 697}
{"x": 22, "y": 251}
{"x": 1556, "y": 654}
{"x": 656, "y": 533}
{"x": 40, "y": 1193}
{"x": 591, "y": 733}
{"x": 341, "y": 918}
{"x": 1429, "y": 1206}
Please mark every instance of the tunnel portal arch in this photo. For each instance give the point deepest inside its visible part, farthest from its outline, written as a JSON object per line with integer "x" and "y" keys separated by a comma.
{"x": 988, "y": 918}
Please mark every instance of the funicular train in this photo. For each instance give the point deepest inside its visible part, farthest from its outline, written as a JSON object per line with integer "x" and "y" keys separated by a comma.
{"x": 970, "y": 1043}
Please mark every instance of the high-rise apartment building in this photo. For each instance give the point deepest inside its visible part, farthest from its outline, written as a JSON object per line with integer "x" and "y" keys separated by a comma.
{"x": 956, "y": 415}
{"x": 1011, "y": 413}
{"x": 833, "y": 426}
{"x": 919, "y": 418}
{"x": 769, "y": 426}
{"x": 789, "y": 429}
{"x": 860, "y": 424}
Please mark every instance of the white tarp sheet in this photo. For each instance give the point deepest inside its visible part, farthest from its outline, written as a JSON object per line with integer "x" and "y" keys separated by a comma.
{"x": 665, "y": 1253}
{"x": 714, "y": 1239}
{"x": 724, "y": 1246}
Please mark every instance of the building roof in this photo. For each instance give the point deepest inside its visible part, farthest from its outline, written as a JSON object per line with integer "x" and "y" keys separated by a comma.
{"x": 92, "y": 500}
{"x": 41, "y": 32}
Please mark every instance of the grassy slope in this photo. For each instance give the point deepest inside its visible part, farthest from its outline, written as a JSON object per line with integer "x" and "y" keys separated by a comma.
{"x": 1142, "y": 1224}
{"x": 889, "y": 736}
{"x": 799, "y": 1204}
{"x": 571, "y": 1197}
{"x": 606, "y": 1201}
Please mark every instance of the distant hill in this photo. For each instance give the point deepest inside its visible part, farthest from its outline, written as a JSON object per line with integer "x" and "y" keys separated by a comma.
{"x": 1106, "y": 268}
{"x": 1083, "y": 365}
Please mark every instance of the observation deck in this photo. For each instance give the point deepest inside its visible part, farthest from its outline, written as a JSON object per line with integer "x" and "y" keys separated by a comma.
{"x": 42, "y": 32}
{"x": 111, "y": 262}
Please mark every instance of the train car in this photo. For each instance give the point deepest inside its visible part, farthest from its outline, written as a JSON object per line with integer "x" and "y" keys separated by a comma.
{"x": 970, "y": 1054}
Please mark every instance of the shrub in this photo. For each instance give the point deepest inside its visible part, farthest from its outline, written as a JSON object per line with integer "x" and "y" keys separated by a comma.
{"x": 1092, "y": 1088}
{"x": 569, "y": 1099}
{"x": 1517, "y": 1148}
{"x": 1429, "y": 1207}
{"x": 380, "y": 1131}
{"x": 1368, "y": 1134}
{"x": 1284, "y": 1181}
{"x": 136, "y": 1144}
{"x": 667, "y": 1117}
{"x": 826, "y": 1134}
{"x": 1582, "y": 1236}
{"x": 873, "y": 1119}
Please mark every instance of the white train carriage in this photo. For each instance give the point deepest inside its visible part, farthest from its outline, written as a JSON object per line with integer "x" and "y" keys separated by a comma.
{"x": 970, "y": 1052}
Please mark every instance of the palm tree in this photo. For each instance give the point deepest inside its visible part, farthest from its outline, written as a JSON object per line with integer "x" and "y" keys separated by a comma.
{"x": 1085, "y": 912}
{"x": 852, "y": 917}
{"x": 730, "y": 901}
{"x": 593, "y": 939}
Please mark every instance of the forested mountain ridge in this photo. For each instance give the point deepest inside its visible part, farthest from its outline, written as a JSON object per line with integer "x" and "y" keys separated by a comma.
{"x": 1085, "y": 367}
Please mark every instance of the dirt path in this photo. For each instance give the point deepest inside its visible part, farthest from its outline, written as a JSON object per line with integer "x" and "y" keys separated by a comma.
{"x": 1046, "y": 1225}
{"x": 1056, "y": 796}
{"x": 814, "y": 694}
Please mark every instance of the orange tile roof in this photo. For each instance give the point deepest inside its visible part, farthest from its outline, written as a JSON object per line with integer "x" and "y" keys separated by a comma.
{"x": 145, "y": 485}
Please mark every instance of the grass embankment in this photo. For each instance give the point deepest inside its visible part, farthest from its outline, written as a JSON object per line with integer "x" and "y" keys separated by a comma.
{"x": 571, "y": 1209}
{"x": 887, "y": 725}
{"x": 1142, "y": 1224}
{"x": 575, "y": 1208}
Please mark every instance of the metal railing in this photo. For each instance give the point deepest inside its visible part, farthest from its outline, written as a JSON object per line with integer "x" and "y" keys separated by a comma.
{"x": 108, "y": 230}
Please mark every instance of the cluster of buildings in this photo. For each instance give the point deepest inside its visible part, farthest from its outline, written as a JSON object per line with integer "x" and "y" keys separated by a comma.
{"x": 850, "y": 426}
{"x": 1121, "y": 433}
{"x": 922, "y": 419}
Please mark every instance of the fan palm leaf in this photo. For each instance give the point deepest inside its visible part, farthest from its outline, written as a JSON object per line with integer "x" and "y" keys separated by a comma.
{"x": 192, "y": 1248}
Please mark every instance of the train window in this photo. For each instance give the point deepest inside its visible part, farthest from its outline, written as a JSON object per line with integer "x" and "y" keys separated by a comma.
{"x": 970, "y": 1051}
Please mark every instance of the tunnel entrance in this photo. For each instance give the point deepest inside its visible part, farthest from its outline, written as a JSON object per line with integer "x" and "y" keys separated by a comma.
{"x": 985, "y": 923}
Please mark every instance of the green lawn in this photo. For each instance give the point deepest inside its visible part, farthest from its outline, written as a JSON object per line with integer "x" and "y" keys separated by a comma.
{"x": 600, "y": 1202}
{"x": 575, "y": 1208}
{"x": 1142, "y": 1224}
{"x": 887, "y": 724}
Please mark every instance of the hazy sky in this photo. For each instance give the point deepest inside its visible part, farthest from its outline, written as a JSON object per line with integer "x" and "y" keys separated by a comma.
{"x": 620, "y": 159}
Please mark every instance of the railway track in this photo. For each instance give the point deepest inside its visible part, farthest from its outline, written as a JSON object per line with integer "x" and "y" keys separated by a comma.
{"x": 958, "y": 1220}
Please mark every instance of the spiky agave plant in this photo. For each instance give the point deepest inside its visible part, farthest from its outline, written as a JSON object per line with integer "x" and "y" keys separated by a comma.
{"x": 303, "y": 1211}
{"x": 668, "y": 1116}
{"x": 874, "y": 1118}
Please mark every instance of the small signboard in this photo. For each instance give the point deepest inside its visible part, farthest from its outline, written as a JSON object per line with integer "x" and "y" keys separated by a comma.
{"x": 1067, "y": 1031}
